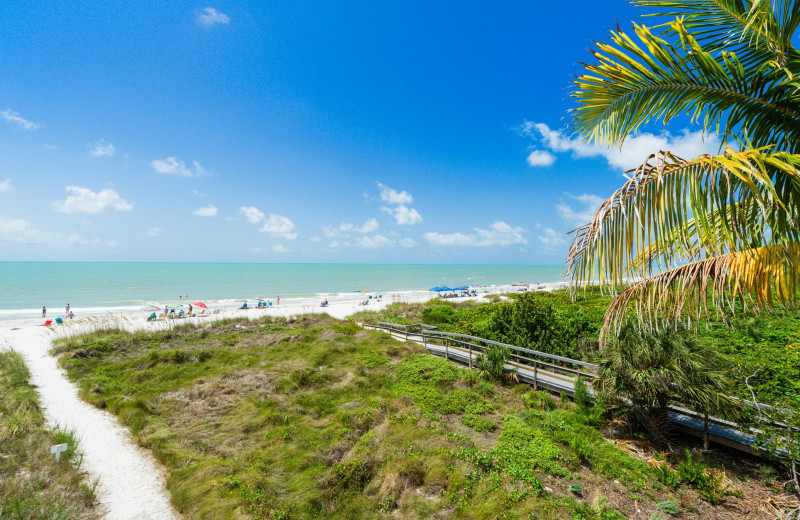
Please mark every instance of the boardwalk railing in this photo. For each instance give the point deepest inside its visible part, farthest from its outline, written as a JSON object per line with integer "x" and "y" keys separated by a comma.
{"x": 558, "y": 374}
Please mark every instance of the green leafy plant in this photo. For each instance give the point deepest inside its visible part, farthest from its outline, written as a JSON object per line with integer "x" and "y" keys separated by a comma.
{"x": 491, "y": 363}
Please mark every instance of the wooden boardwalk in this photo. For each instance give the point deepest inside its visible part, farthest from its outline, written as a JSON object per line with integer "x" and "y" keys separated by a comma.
{"x": 557, "y": 374}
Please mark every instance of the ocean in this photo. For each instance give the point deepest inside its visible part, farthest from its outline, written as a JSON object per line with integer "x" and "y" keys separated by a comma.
{"x": 91, "y": 287}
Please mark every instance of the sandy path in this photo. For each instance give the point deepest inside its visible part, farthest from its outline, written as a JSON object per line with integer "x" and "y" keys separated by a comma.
{"x": 131, "y": 481}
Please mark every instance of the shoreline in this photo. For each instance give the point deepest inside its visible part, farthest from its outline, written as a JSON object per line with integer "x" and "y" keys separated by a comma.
{"x": 308, "y": 303}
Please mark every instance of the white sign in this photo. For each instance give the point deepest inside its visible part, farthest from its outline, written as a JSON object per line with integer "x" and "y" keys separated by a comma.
{"x": 57, "y": 449}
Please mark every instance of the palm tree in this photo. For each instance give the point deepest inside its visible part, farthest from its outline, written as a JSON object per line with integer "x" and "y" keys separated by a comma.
{"x": 649, "y": 371}
{"x": 724, "y": 227}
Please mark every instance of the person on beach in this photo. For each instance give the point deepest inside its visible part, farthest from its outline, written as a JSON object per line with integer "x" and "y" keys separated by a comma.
{"x": 190, "y": 309}
{"x": 278, "y": 300}
{"x": 44, "y": 311}
{"x": 166, "y": 310}
{"x": 67, "y": 311}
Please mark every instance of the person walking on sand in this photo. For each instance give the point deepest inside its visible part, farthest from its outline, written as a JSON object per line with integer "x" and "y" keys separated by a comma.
{"x": 67, "y": 312}
{"x": 278, "y": 300}
{"x": 44, "y": 311}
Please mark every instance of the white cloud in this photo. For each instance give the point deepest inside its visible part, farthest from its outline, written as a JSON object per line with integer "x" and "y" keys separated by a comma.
{"x": 404, "y": 216}
{"x": 19, "y": 231}
{"x": 634, "y": 150}
{"x": 407, "y": 242}
{"x": 373, "y": 242}
{"x": 540, "y": 158}
{"x": 252, "y": 214}
{"x": 279, "y": 227}
{"x": 14, "y": 118}
{"x": 315, "y": 239}
{"x": 498, "y": 234}
{"x": 334, "y": 244}
{"x": 582, "y": 215}
{"x": 103, "y": 149}
{"x": 209, "y": 17}
{"x": 5, "y": 185}
{"x": 280, "y": 248}
{"x": 154, "y": 231}
{"x": 393, "y": 196}
{"x": 84, "y": 200}
{"x": 369, "y": 226}
{"x": 551, "y": 239}
{"x": 172, "y": 166}
{"x": 206, "y": 211}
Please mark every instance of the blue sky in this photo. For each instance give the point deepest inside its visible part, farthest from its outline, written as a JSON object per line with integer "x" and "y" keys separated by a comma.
{"x": 406, "y": 132}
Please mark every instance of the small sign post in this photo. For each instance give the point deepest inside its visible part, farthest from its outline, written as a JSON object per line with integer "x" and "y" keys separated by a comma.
{"x": 57, "y": 449}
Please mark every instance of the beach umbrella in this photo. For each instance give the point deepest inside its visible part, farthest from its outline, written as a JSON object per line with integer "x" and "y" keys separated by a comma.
{"x": 151, "y": 307}
{"x": 365, "y": 291}
{"x": 200, "y": 304}
{"x": 519, "y": 284}
{"x": 437, "y": 289}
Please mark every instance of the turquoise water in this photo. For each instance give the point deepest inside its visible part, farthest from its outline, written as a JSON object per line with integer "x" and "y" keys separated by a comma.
{"x": 87, "y": 286}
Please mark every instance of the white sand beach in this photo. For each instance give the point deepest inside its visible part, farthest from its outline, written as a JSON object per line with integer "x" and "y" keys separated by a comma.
{"x": 131, "y": 482}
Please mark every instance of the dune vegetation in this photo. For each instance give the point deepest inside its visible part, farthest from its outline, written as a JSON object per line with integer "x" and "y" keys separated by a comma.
{"x": 318, "y": 418}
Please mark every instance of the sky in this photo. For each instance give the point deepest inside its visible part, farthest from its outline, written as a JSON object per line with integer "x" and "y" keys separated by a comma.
{"x": 375, "y": 132}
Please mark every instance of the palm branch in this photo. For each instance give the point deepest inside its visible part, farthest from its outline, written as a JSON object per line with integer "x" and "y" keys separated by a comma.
{"x": 661, "y": 76}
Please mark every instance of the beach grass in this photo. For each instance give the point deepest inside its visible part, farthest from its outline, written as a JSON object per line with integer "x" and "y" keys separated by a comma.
{"x": 317, "y": 418}
{"x": 32, "y": 484}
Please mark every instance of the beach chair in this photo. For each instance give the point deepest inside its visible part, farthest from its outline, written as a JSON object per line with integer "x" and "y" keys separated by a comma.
{"x": 47, "y": 323}
{"x": 59, "y": 321}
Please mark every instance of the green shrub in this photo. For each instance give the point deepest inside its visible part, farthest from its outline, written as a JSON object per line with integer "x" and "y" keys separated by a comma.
{"x": 693, "y": 473}
{"x": 373, "y": 359}
{"x": 581, "y": 394}
{"x": 669, "y": 507}
{"x": 491, "y": 363}
{"x": 576, "y": 488}
{"x": 439, "y": 314}
{"x": 352, "y": 475}
{"x": 478, "y": 423}
{"x": 348, "y": 328}
{"x": 539, "y": 400}
{"x": 470, "y": 377}
{"x": 485, "y": 388}
{"x": 581, "y": 447}
{"x": 667, "y": 476}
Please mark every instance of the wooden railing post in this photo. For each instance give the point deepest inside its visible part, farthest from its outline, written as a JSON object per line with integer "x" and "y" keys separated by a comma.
{"x": 446, "y": 349}
{"x": 470, "y": 355}
{"x": 535, "y": 375}
{"x": 705, "y": 431}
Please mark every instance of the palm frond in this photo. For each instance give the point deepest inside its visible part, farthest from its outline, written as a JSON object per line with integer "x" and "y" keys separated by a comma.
{"x": 757, "y": 31}
{"x": 636, "y": 81}
{"x": 673, "y": 211}
{"x": 757, "y": 279}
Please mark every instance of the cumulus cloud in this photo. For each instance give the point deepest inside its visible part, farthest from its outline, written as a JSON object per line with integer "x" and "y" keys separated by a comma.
{"x": 18, "y": 231}
{"x": 551, "y": 239}
{"x": 5, "y": 185}
{"x": 84, "y": 200}
{"x": 498, "y": 234}
{"x": 369, "y": 226}
{"x": 406, "y": 242}
{"x": 154, "y": 231}
{"x": 373, "y": 242}
{"x": 209, "y": 17}
{"x": 278, "y": 226}
{"x": 393, "y": 196}
{"x": 582, "y": 215}
{"x": 172, "y": 166}
{"x": 103, "y": 149}
{"x": 334, "y": 244}
{"x": 14, "y": 118}
{"x": 281, "y": 249}
{"x": 206, "y": 211}
{"x": 315, "y": 239}
{"x": 540, "y": 158}
{"x": 633, "y": 152}
{"x": 403, "y": 215}
{"x": 252, "y": 214}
